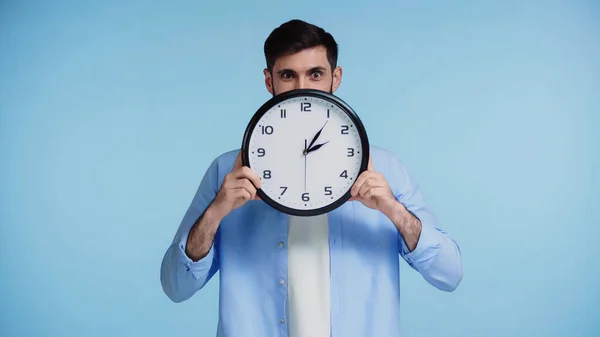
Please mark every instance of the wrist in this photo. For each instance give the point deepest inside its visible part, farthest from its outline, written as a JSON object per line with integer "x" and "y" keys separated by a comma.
{"x": 201, "y": 235}
{"x": 407, "y": 224}
{"x": 214, "y": 213}
{"x": 398, "y": 214}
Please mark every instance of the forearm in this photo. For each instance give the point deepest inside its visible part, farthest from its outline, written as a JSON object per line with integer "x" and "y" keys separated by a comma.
{"x": 202, "y": 234}
{"x": 429, "y": 250}
{"x": 421, "y": 242}
{"x": 192, "y": 259}
{"x": 406, "y": 223}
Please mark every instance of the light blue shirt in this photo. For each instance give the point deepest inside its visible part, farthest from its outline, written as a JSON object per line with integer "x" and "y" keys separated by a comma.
{"x": 249, "y": 252}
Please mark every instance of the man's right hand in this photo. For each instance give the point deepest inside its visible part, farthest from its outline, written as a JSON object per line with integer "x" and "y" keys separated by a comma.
{"x": 239, "y": 186}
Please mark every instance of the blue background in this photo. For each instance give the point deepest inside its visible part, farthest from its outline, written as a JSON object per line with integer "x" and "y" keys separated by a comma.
{"x": 112, "y": 110}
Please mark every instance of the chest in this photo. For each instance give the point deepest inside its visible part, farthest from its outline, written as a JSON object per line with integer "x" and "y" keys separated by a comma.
{"x": 256, "y": 227}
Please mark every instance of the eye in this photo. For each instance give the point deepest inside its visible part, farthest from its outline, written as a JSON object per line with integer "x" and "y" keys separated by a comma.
{"x": 287, "y": 75}
{"x": 316, "y": 74}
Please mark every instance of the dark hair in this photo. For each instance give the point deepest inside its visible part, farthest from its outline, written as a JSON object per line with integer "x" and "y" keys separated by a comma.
{"x": 296, "y": 35}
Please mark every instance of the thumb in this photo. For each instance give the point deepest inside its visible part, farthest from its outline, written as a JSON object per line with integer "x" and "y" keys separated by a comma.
{"x": 370, "y": 165}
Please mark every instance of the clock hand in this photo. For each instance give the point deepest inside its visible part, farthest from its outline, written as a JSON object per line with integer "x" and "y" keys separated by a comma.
{"x": 305, "y": 152}
{"x": 317, "y": 135}
{"x": 316, "y": 147}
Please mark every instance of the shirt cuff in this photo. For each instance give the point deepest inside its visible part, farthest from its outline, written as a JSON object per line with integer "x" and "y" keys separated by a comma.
{"x": 426, "y": 250}
{"x": 200, "y": 268}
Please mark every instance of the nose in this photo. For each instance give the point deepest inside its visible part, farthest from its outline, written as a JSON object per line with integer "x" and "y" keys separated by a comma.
{"x": 301, "y": 83}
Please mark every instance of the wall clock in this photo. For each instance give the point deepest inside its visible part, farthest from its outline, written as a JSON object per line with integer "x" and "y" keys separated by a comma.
{"x": 308, "y": 147}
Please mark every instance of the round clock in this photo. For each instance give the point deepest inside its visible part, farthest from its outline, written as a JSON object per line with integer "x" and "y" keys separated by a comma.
{"x": 308, "y": 147}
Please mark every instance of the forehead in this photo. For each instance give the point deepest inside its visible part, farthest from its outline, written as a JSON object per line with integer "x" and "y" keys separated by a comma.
{"x": 303, "y": 60}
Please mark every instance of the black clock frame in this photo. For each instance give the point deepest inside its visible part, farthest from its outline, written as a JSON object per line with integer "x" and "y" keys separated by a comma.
{"x": 332, "y": 99}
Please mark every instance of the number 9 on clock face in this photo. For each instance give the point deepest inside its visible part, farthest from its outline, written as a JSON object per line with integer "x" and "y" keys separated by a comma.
{"x": 307, "y": 147}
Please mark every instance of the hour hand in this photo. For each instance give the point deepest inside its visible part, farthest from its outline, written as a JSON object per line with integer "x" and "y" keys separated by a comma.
{"x": 317, "y": 135}
{"x": 316, "y": 147}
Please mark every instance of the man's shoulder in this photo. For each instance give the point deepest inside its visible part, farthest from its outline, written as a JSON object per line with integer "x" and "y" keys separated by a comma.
{"x": 390, "y": 165}
{"x": 225, "y": 161}
{"x": 379, "y": 151}
{"x": 228, "y": 156}
{"x": 383, "y": 156}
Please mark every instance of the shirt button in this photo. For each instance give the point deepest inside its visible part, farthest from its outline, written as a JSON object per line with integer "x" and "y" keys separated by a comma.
{"x": 281, "y": 321}
{"x": 281, "y": 282}
{"x": 280, "y": 243}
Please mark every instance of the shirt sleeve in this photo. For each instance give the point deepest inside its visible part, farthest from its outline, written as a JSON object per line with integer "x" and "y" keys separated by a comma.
{"x": 437, "y": 256}
{"x": 180, "y": 276}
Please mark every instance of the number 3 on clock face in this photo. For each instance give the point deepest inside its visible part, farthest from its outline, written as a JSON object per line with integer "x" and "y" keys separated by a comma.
{"x": 308, "y": 147}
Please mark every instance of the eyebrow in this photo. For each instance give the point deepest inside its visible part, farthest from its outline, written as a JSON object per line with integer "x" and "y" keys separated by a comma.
{"x": 317, "y": 68}
{"x": 287, "y": 70}
{"x": 283, "y": 71}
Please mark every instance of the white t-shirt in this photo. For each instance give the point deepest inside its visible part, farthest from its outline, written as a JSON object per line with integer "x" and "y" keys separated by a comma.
{"x": 308, "y": 277}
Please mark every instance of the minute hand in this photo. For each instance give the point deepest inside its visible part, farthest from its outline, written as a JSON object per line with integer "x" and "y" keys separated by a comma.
{"x": 316, "y": 136}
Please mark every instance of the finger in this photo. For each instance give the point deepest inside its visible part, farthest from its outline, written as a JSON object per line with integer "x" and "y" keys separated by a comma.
{"x": 368, "y": 184}
{"x": 247, "y": 185}
{"x": 370, "y": 165}
{"x": 246, "y": 172}
{"x": 235, "y": 180}
{"x": 355, "y": 188}
{"x": 373, "y": 192}
{"x": 360, "y": 181}
{"x": 241, "y": 194}
{"x": 376, "y": 181}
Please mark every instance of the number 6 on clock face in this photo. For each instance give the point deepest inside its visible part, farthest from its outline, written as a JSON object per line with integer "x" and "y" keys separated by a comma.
{"x": 308, "y": 147}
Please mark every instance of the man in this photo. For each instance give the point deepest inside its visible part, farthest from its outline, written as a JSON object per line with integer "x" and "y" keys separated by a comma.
{"x": 330, "y": 275}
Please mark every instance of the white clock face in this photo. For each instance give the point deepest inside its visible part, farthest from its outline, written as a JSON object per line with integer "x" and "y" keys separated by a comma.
{"x": 305, "y": 180}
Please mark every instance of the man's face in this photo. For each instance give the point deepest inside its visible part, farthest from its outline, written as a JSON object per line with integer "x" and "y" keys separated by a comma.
{"x": 307, "y": 69}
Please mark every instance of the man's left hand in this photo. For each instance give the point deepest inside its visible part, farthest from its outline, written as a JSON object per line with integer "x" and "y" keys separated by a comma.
{"x": 373, "y": 191}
